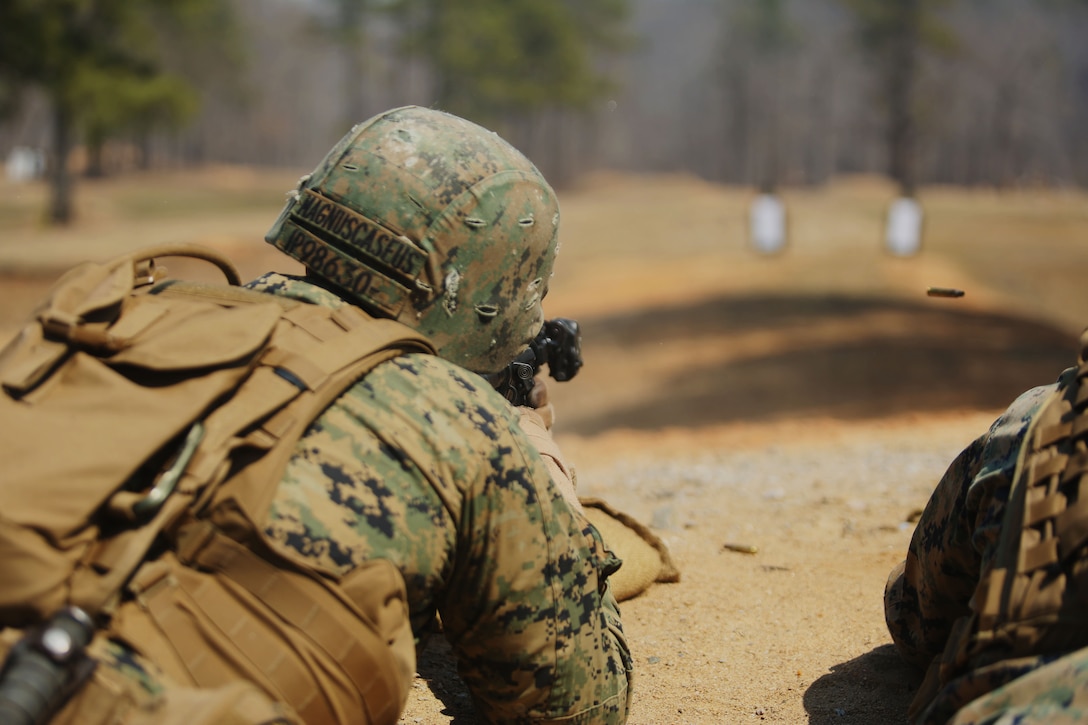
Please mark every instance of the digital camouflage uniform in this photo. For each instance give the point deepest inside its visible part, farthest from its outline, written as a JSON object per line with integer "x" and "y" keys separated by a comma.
{"x": 932, "y": 599}
{"x": 422, "y": 463}
{"x": 430, "y": 220}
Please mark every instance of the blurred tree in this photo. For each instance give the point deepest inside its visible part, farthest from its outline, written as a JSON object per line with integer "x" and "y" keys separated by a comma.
{"x": 501, "y": 61}
{"x": 759, "y": 35}
{"x": 114, "y": 102}
{"x": 203, "y": 51}
{"x": 530, "y": 70}
{"x": 346, "y": 26}
{"x": 101, "y": 65}
{"x": 894, "y": 33}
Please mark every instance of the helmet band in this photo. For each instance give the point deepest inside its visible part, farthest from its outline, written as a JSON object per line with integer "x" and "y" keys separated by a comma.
{"x": 392, "y": 253}
{"x": 354, "y": 252}
{"x": 368, "y": 285}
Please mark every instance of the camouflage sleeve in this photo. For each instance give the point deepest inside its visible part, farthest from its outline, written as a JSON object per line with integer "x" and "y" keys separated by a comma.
{"x": 956, "y": 536}
{"x": 422, "y": 463}
{"x": 529, "y": 611}
{"x": 1055, "y": 692}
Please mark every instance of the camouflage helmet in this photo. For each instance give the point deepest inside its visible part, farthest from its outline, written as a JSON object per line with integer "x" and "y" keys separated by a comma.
{"x": 429, "y": 219}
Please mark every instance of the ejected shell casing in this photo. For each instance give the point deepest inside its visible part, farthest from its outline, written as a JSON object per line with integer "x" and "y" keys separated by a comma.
{"x": 944, "y": 292}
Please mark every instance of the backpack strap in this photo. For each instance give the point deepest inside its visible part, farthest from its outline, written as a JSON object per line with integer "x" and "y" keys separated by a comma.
{"x": 314, "y": 355}
{"x": 301, "y": 374}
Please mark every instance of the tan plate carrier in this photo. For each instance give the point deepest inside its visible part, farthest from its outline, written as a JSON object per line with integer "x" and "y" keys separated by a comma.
{"x": 138, "y": 411}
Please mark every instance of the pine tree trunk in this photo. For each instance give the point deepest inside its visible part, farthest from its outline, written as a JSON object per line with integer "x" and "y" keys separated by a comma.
{"x": 901, "y": 81}
{"x": 61, "y": 181}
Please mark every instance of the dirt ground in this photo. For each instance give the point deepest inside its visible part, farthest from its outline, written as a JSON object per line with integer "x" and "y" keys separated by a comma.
{"x": 803, "y": 404}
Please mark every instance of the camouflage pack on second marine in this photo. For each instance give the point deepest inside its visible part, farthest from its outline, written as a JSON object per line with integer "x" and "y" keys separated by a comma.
{"x": 990, "y": 600}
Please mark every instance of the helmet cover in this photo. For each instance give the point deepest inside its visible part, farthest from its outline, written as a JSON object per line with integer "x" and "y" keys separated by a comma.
{"x": 434, "y": 221}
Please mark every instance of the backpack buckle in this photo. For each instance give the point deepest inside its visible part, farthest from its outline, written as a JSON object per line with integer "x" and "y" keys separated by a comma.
{"x": 146, "y": 508}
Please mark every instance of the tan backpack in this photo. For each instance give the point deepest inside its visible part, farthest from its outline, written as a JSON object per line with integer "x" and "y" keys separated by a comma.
{"x": 128, "y": 400}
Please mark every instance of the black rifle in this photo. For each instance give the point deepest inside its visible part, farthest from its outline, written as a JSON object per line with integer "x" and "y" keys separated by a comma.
{"x": 558, "y": 345}
{"x": 45, "y": 667}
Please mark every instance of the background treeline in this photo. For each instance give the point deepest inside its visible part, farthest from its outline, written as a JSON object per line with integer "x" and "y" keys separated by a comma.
{"x": 752, "y": 92}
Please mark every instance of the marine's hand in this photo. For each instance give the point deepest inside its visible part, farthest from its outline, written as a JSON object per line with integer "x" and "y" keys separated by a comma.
{"x": 562, "y": 474}
{"x": 541, "y": 401}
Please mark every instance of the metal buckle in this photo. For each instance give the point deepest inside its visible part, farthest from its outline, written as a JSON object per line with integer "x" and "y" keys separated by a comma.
{"x": 146, "y": 508}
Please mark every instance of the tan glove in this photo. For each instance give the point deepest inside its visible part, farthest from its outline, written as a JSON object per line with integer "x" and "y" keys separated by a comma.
{"x": 563, "y": 475}
{"x": 540, "y": 401}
